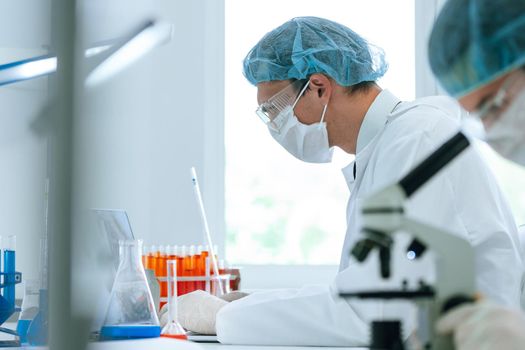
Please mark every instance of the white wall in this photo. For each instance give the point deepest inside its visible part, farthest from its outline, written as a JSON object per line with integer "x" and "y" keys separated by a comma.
{"x": 24, "y": 33}
{"x": 140, "y": 132}
{"x": 137, "y": 135}
{"x": 426, "y": 13}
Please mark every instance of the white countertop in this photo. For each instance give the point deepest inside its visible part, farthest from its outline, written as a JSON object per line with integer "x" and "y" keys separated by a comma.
{"x": 218, "y": 346}
{"x": 170, "y": 344}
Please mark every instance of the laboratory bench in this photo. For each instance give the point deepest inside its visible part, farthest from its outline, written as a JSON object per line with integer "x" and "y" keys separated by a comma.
{"x": 218, "y": 346}
{"x": 169, "y": 344}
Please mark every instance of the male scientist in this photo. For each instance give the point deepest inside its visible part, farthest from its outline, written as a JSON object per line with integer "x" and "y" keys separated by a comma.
{"x": 477, "y": 52}
{"x": 316, "y": 90}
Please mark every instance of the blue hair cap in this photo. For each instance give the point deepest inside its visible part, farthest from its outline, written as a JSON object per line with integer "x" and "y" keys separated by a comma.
{"x": 474, "y": 42}
{"x": 307, "y": 45}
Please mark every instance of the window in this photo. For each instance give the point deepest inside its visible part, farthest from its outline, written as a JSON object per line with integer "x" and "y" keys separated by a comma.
{"x": 278, "y": 209}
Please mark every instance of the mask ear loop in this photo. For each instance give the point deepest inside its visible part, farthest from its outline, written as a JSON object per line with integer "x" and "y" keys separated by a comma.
{"x": 322, "y": 115}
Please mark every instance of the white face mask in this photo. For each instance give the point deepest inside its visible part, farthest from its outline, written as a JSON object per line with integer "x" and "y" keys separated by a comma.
{"x": 308, "y": 143}
{"x": 507, "y": 134}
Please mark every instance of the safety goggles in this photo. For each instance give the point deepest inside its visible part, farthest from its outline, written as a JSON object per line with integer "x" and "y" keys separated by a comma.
{"x": 492, "y": 109}
{"x": 287, "y": 97}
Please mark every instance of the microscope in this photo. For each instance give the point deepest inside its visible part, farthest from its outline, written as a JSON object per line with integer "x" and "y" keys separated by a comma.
{"x": 383, "y": 217}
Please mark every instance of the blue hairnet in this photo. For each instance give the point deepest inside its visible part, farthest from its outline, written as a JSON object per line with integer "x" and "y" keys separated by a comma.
{"x": 475, "y": 41}
{"x": 307, "y": 45}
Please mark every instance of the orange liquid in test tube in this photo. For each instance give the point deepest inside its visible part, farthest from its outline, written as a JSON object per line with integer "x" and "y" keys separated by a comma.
{"x": 188, "y": 272}
{"x": 162, "y": 272}
{"x": 151, "y": 259}
{"x": 192, "y": 268}
{"x": 158, "y": 269}
{"x": 199, "y": 272}
{"x": 204, "y": 255}
{"x": 157, "y": 257}
{"x": 180, "y": 273}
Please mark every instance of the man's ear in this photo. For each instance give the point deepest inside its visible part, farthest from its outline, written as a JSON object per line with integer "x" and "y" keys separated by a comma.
{"x": 321, "y": 85}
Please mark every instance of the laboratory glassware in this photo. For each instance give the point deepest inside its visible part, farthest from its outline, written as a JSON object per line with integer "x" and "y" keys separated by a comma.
{"x": 172, "y": 329}
{"x": 131, "y": 312}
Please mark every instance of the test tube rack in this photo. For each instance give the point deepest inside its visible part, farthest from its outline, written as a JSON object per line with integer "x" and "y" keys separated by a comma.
{"x": 9, "y": 277}
{"x": 194, "y": 272}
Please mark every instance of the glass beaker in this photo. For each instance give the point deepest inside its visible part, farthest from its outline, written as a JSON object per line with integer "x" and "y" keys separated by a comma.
{"x": 131, "y": 312}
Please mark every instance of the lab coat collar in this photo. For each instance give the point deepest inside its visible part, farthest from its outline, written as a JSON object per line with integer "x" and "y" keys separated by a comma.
{"x": 375, "y": 118}
{"x": 348, "y": 173}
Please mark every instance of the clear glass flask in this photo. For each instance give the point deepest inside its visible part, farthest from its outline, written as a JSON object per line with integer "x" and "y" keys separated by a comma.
{"x": 131, "y": 312}
{"x": 173, "y": 329}
{"x": 29, "y": 308}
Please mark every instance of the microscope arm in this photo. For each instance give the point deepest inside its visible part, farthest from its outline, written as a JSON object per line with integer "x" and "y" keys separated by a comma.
{"x": 433, "y": 163}
{"x": 383, "y": 210}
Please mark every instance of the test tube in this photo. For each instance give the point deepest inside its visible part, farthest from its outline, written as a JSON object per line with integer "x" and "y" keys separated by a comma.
{"x": 158, "y": 262}
{"x": 176, "y": 257}
{"x": 152, "y": 258}
{"x": 191, "y": 268}
{"x": 161, "y": 272}
{"x": 199, "y": 268}
{"x": 145, "y": 252}
{"x": 205, "y": 268}
{"x": 182, "y": 272}
{"x": 9, "y": 269}
{"x": 188, "y": 269}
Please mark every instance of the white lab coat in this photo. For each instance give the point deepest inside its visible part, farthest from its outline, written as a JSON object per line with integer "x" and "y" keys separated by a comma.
{"x": 462, "y": 199}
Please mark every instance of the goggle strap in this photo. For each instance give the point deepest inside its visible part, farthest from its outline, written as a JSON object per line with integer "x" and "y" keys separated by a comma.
{"x": 300, "y": 94}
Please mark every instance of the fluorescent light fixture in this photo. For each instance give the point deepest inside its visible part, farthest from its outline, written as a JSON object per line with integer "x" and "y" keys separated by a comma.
{"x": 93, "y": 51}
{"x": 132, "y": 48}
{"x": 112, "y": 57}
{"x": 27, "y": 69}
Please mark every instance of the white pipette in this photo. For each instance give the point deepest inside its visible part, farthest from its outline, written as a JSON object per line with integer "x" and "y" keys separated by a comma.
{"x": 198, "y": 197}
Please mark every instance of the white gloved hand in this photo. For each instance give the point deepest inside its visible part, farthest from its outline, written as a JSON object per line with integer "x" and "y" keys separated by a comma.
{"x": 229, "y": 297}
{"x": 196, "y": 311}
{"x": 484, "y": 326}
{"x": 232, "y": 296}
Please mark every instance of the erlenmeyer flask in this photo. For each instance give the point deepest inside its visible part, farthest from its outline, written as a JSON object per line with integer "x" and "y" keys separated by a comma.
{"x": 131, "y": 312}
